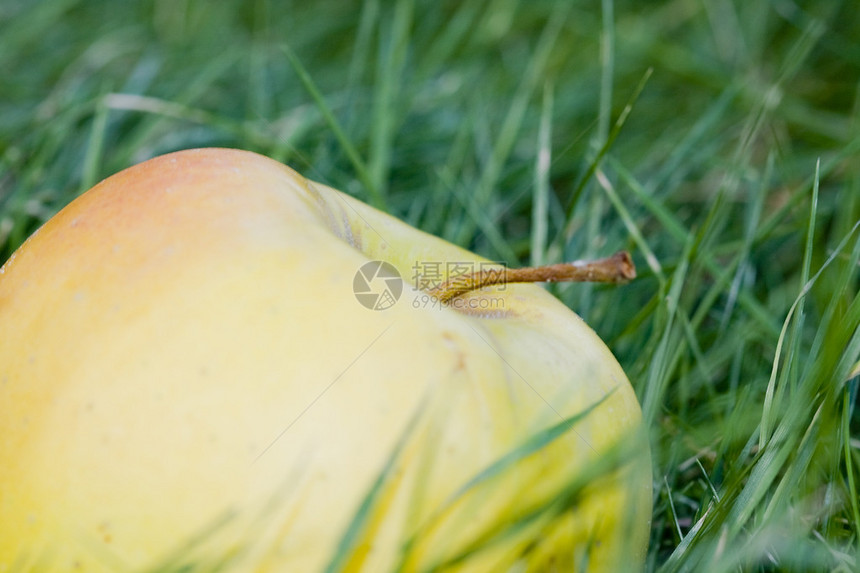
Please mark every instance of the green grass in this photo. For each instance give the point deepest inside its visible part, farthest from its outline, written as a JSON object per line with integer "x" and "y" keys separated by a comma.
{"x": 718, "y": 140}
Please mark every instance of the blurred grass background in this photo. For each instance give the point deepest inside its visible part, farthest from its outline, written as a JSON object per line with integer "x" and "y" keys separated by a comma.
{"x": 718, "y": 140}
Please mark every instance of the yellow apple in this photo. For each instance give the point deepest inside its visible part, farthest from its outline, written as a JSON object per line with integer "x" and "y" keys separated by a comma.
{"x": 193, "y": 374}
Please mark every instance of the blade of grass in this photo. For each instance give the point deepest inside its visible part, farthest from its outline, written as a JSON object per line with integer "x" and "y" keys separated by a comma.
{"x": 607, "y": 70}
{"x": 505, "y": 139}
{"x": 632, "y": 228}
{"x": 595, "y": 163}
{"x": 199, "y": 83}
{"x": 801, "y": 460}
{"x": 485, "y": 223}
{"x": 683, "y": 157}
{"x": 661, "y": 364}
{"x": 92, "y": 157}
{"x": 593, "y": 220}
{"x": 353, "y": 545}
{"x": 538, "y": 517}
{"x": 530, "y": 446}
{"x": 361, "y": 170}
{"x": 753, "y": 219}
{"x": 390, "y": 70}
{"x": 178, "y": 561}
{"x": 672, "y": 509}
{"x": 772, "y": 401}
{"x": 777, "y": 446}
{"x": 848, "y": 396}
{"x": 540, "y": 200}
{"x": 721, "y": 271}
{"x": 360, "y": 56}
{"x": 458, "y": 30}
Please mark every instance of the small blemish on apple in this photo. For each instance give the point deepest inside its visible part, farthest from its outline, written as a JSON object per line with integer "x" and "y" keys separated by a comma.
{"x": 104, "y": 531}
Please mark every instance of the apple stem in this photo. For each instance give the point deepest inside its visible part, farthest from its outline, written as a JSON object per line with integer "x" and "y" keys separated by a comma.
{"x": 618, "y": 268}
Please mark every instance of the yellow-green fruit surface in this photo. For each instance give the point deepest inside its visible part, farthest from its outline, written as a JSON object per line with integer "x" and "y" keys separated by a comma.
{"x": 187, "y": 378}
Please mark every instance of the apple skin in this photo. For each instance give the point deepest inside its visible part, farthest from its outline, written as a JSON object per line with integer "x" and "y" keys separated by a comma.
{"x": 183, "y": 358}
